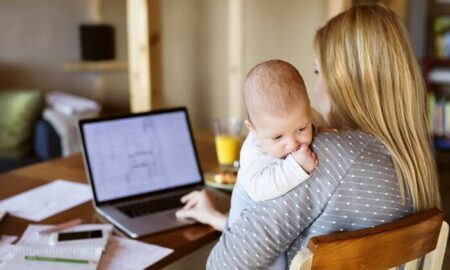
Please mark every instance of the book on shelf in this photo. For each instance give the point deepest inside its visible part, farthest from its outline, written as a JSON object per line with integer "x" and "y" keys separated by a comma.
{"x": 439, "y": 116}
{"x": 431, "y": 109}
{"x": 441, "y": 36}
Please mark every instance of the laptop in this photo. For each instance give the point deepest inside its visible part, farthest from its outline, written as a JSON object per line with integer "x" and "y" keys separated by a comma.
{"x": 139, "y": 166}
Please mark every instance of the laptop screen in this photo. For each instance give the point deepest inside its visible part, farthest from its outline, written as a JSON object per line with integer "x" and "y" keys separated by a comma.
{"x": 139, "y": 154}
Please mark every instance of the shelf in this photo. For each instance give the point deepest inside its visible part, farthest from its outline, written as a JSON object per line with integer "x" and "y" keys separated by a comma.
{"x": 96, "y": 66}
{"x": 437, "y": 61}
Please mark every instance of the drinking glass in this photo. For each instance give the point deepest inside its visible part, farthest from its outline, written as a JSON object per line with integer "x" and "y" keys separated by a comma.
{"x": 228, "y": 139}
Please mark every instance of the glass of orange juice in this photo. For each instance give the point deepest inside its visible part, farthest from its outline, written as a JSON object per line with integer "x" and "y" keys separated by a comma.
{"x": 228, "y": 139}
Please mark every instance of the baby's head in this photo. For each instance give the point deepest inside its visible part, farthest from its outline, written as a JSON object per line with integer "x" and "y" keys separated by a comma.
{"x": 279, "y": 112}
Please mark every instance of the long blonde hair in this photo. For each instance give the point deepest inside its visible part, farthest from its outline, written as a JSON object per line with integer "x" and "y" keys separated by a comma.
{"x": 375, "y": 85}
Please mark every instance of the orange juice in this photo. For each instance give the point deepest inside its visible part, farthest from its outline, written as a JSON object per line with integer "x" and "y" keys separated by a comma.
{"x": 227, "y": 148}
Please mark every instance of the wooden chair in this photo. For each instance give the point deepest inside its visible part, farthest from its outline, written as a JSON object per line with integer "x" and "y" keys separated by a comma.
{"x": 382, "y": 247}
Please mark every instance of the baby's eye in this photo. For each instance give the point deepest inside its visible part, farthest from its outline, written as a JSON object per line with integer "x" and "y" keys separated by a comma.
{"x": 276, "y": 138}
{"x": 302, "y": 129}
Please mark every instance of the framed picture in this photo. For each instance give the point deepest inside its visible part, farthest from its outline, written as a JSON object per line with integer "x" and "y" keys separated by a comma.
{"x": 441, "y": 36}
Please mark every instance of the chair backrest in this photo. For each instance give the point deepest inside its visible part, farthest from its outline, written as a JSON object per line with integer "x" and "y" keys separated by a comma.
{"x": 381, "y": 247}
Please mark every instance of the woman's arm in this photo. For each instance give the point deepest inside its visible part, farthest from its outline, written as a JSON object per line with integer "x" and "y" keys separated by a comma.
{"x": 266, "y": 229}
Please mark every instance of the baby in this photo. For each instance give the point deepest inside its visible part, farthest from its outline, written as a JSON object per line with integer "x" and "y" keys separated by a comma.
{"x": 275, "y": 156}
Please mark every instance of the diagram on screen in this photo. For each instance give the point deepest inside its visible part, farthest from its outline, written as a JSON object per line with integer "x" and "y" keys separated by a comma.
{"x": 141, "y": 154}
{"x": 143, "y": 162}
{"x": 142, "y": 166}
{"x": 128, "y": 159}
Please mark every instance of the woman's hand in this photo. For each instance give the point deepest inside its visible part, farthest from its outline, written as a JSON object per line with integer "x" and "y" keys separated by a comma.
{"x": 201, "y": 206}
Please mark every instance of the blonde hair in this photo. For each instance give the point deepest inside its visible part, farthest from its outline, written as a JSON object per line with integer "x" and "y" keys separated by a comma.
{"x": 275, "y": 87}
{"x": 375, "y": 85}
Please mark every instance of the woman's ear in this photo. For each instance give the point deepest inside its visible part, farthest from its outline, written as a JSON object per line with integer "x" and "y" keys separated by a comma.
{"x": 249, "y": 125}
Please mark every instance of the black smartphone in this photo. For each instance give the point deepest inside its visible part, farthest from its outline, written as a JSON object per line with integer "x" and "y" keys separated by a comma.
{"x": 80, "y": 235}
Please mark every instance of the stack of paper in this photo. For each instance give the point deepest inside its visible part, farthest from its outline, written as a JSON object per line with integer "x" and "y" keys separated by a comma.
{"x": 63, "y": 258}
{"x": 48, "y": 200}
{"x": 36, "y": 251}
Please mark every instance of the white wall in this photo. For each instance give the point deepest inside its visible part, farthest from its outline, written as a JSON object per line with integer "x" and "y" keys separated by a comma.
{"x": 417, "y": 26}
{"x": 194, "y": 38}
{"x": 39, "y": 36}
{"x": 116, "y": 84}
{"x": 283, "y": 30}
{"x": 194, "y": 48}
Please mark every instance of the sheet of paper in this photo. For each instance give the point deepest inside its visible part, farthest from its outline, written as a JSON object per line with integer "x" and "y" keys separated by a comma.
{"x": 4, "y": 251}
{"x": 5, "y": 247}
{"x": 125, "y": 254}
{"x": 47, "y": 200}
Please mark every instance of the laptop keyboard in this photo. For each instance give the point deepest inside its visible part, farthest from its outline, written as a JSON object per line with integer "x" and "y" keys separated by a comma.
{"x": 150, "y": 206}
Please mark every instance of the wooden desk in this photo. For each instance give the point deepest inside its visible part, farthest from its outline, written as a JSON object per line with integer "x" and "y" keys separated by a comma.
{"x": 183, "y": 241}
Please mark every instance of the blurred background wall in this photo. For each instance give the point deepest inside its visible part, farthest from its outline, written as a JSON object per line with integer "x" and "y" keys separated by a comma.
{"x": 38, "y": 37}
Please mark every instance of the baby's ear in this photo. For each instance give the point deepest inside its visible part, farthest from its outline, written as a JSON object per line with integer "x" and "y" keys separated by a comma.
{"x": 249, "y": 125}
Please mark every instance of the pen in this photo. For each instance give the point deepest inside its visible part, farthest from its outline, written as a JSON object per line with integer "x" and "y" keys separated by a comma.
{"x": 62, "y": 260}
{"x": 62, "y": 226}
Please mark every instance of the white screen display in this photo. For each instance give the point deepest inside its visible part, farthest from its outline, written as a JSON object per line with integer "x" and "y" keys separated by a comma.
{"x": 140, "y": 154}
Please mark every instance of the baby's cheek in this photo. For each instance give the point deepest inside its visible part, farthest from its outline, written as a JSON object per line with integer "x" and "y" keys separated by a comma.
{"x": 309, "y": 137}
{"x": 274, "y": 151}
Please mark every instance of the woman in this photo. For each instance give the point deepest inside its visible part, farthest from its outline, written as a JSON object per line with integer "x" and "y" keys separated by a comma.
{"x": 376, "y": 86}
{"x": 379, "y": 168}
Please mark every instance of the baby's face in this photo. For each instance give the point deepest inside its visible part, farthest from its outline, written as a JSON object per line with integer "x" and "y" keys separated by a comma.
{"x": 281, "y": 135}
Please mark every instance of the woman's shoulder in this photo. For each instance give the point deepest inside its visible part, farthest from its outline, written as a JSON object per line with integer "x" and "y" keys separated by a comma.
{"x": 347, "y": 137}
{"x": 347, "y": 140}
{"x": 349, "y": 143}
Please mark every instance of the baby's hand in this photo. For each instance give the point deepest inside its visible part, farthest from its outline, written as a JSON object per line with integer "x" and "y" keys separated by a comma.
{"x": 305, "y": 158}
